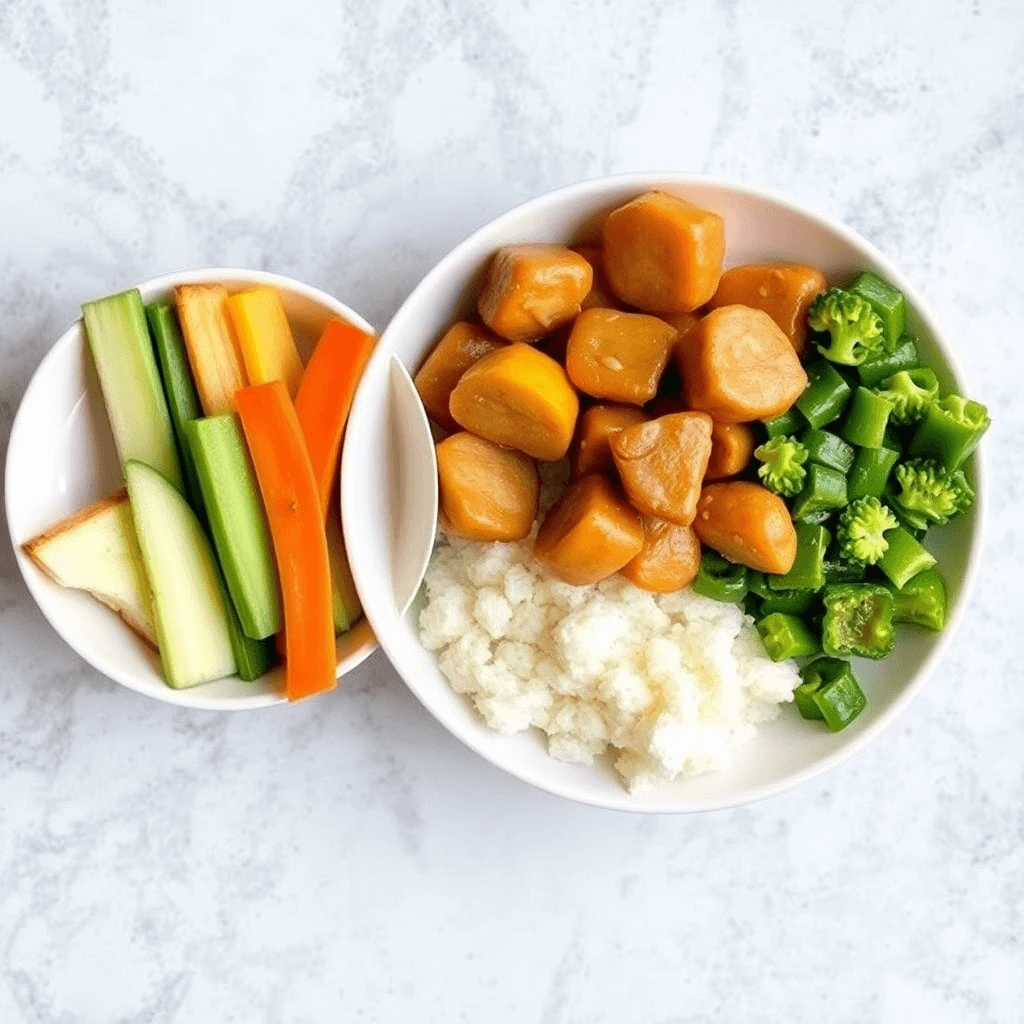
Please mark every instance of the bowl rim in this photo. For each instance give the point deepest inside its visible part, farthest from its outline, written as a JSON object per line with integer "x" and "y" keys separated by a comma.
{"x": 191, "y": 697}
{"x": 643, "y": 180}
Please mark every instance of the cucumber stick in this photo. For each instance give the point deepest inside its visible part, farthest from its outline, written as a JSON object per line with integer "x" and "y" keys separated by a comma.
{"x": 237, "y": 521}
{"x": 182, "y": 400}
{"x": 191, "y": 607}
{"x": 123, "y": 353}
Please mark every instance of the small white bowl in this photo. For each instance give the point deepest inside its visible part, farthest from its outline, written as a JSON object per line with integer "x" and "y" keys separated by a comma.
{"x": 759, "y": 226}
{"x": 61, "y": 457}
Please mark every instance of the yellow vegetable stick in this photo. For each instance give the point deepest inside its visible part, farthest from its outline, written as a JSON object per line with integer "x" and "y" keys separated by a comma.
{"x": 265, "y": 338}
{"x": 212, "y": 348}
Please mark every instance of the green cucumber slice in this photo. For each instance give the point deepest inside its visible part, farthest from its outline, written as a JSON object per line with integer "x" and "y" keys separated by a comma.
{"x": 237, "y": 521}
{"x": 123, "y": 353}
{"x": 190, "y": 604}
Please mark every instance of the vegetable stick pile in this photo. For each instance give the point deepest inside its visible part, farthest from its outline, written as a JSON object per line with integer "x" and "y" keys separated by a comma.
{"x": 230, "y": 450}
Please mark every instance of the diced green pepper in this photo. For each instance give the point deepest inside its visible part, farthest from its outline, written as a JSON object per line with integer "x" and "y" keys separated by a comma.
{"x": 824, "y": 489}
{"x": 789, "y": 602}
{"x": 866, "y": 419}
{"x": 870, "y": 473}
{"x": 905, "y": 557}
{"x": 826, "y": 395}
{"x": 886, "y": 301}
{"x": 808, "y": 572}
{"x": 786, "y": 636}
{"x": 786, "y": 423}
{"x": 828, "y": 449}
{"x": 719, "y": 579}
{"x": 922, "y": 601}
{"x": 904, "y": 357}
{"x": 950, "y": 430}
{"x": 830, "y": 692}
{"x": 859, "y": 620}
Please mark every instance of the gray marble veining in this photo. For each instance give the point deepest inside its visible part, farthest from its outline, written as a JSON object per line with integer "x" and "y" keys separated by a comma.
{"x": 347, "y": 859}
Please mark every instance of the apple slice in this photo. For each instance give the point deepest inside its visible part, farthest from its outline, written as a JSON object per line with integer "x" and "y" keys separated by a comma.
{"x": 96, "y": 550}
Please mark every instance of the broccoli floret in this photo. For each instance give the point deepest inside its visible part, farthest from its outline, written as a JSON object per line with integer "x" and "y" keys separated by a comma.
{"x": 783, "y": 461}
{"x": 910, "y": 392}
{"x": 855, "y": 328}
{"x": 928, "y": 494}
{"x": 861, "y": 530}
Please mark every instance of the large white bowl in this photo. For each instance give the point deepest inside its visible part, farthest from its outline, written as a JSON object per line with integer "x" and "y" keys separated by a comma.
{"x": 61, "y": 456}
{"x": 759, "y": 226}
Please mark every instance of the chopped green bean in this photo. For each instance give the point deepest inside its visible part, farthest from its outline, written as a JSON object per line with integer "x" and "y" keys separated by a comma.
{"x": 886, "y": 301}
{"x": 785, "y": 423}
{"x": 904, "y": 357}
{"x": 720, "y": 579}
{"x": 826, "y": 395}
{"x": 905, "y": 557}
{"x": 828, "y": 449}
{"x": 866, "y": 419}
{"x": 922, "y": 601}
{"x": 830, "y": 692}
{"x": 870, "y": 472}
{"x": 808, "y": 571}
{"x": 824, "y": 490}
{"x": 786, "y": 636}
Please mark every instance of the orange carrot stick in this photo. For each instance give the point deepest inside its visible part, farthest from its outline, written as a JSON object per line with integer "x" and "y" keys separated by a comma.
{"x": 296, "y": 520}
{"x": 325, "y": 397}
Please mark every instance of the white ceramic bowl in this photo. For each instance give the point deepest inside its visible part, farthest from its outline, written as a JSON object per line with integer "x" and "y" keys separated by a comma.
{"x": 759, "y": 226}
{"x": 61, "y": 457}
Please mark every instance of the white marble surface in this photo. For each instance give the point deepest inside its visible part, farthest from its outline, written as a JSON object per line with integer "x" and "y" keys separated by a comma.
{"x": 346, "y": 859}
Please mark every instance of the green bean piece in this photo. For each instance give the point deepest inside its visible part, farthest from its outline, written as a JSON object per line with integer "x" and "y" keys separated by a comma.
{"x": 866, "y": 419}
{"x": 870, "y": 472}
{"x": 843, "y": 570}
{"x": 950, "y": 430}
{"x": 789, "y": 602}
{"x": 826, "y": 394}
{"x": 786, "y": 636}
{"x": 859, "y": 620}
{"x": 720, "y": 579}
{"x": 789, "y": 422}
{"x": 830, "y": 692}
{"x": 828, "y": 449}
{"x": 808, "y": 571}
{"x": 905, "y": 356}
{"x": 886, "y": 301}
{"x": 922, "y": 601}
{"x": 905, "y": 557}
{"x": 824, "y": 490}
{"x": 757, "y": 583}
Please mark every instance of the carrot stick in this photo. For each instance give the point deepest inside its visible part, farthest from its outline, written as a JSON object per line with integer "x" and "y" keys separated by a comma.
{"x": 325, "y": 397}
{"x": 296, "y": 520}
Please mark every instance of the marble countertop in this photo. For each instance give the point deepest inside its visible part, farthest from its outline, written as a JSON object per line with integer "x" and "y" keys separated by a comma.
{"x": 347, "y": 859}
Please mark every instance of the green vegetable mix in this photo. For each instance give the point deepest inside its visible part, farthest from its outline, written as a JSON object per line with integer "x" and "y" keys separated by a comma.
{"x": 868, "y": 459}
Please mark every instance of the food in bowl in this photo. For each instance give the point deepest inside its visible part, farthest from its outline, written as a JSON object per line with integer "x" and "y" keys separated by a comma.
{"x": 724, "y": 479}
{"x": 221, "y": 551}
